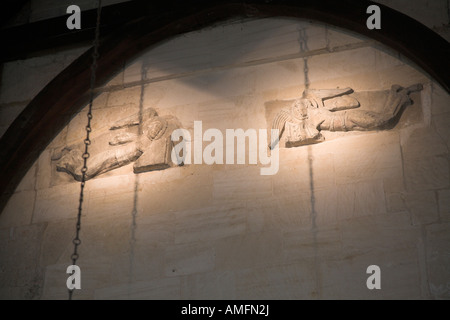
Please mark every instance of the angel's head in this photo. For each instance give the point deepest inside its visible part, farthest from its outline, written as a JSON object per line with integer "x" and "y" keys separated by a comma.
{"x": 148, "y": 114}
{"x": 155, "y": 128}
{"x": 300, "y": 107}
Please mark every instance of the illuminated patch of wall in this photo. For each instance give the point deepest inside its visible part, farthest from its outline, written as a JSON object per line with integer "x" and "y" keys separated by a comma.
{"x": 225, "y": 231}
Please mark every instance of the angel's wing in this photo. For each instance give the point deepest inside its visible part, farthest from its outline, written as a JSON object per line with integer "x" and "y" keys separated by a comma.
{"x": 278, "y": 123}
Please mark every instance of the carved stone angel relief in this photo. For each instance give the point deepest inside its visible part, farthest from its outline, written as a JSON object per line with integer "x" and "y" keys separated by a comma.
{"x": 304, "y": 120}
{"x": 149, "y": 146}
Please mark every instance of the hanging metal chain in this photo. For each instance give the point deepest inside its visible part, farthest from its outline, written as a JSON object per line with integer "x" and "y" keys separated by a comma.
{"x": 76, "y": 241}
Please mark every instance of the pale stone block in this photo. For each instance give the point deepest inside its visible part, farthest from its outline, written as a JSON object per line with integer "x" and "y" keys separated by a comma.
{"x": 189, "y": 259}
{"x": 361, "y": 81}
{"x": 249, "y": 250}
{"x": 282, "y": 93}
{"x": 341, "y": 37}
{"x": 346, "y": 279}
{"x": 444, "y": 204}
{"x": 19, "y": 256}
{"x": 288, "y": 73}
{"x": 100, "y": 101}
{"x": 294, "y": 281}
{"x": 241, "y": 183}
{"x": 366, "y": 157}
{"x": 413, "y": 115}
{"x": 154, "y": 93}
{"x": 105, "y": 117}
{"x": 55, "y": 283}
{"x": 44, "y": 170}
{"x": 304, "y": 167}
{"x": 143, "y": 262}
{"x": 395, "y": 202}
{"x": 94, "y": 274}
{"x": 56, "y": 245}
{"x": 394, "y": 184}
{"x": 19, "y": 210}
{"x": 158, "y": 289}
{"x": 105, "y": 186}
{"x": 369, "y": 199}
{"x": 158, "y": 177}
{"x": 311, "y": 37}
{"x": 105, "y": 236}
{"x": 125, "y": 97}
{"x": 233, "y": 82}
{"x": 360, "y": 199}
{"x": 423, "y": 207}
{"x": 339, "y": 64}
{"x": 440, "y": 99}
{"x": 183, "y": 94}
{"x": 422, "y": 260}
{"x": 307, "y": 244}
{"x": 293, "y": 174}
{"x": 155, "y": 229}
{"x": 292, "y": 212}
{"x": 207, "y": 286}
{"x": 191, "y": 192}
{"x": 248, "y": 113}
{"x": 256, "y": 217}
{"x": 404, "y": 75}
{"x": 440, "y": 122}
{"x": 97, "y": 273}
{"x": 424, "y": 142}
{"x": 112, "y": 204}
{"x": 209, "y": 224}
{"x": 426, "y": 173}
{"x": 76, "y": 130}
{"x": 438, "y": 258}
{"x": 326, "y": 206}
{"x": 386, "y": 58}
{"x": 378, "y": 234}
{"x": 220, "y": 115}
{"x": 58, "y": 203}
{"x": 288, "y": 212}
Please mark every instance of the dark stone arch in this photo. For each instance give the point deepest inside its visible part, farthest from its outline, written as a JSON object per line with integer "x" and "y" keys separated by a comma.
{"x": 51, "y": 110}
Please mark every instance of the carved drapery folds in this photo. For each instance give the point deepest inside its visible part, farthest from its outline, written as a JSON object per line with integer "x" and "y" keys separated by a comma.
{"x": 144, "y": 139}
{"x": 304, "y": 119}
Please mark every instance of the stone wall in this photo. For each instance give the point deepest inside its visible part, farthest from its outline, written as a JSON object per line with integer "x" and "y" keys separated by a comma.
{"x": 225, "y": 231}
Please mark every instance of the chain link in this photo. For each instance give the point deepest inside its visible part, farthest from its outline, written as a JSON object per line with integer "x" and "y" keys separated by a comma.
{"x": 87, "y": 141}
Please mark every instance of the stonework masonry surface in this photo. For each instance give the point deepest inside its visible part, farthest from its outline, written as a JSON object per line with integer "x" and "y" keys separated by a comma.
{"x": 360, "y": 198}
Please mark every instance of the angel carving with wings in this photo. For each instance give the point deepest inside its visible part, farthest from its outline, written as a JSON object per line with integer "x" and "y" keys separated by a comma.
{"x": 334, "y": 110}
